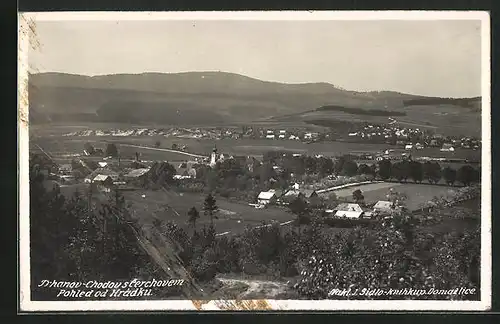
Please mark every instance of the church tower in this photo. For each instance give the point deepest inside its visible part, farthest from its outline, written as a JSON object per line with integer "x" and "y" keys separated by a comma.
{"x": 213, "y": 157}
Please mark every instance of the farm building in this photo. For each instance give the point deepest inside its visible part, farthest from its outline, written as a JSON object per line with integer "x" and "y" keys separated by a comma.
{"x": 136, "y": 174}
{"x": 103, "y": 182}
{"x": 278, "y": 193}
{"x": 266, "y": 197}
{"x": 383, "y": 206}
{"x": 102, "y": 179}
{"x": 447, "y": 148}
{"x": 349, "y": 207}
{"x": 114, "y": 175}
{"x": 349, "y": 214}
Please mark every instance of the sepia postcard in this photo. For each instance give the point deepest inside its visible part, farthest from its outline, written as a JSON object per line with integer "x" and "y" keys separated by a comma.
{"x": 279, "y": 161}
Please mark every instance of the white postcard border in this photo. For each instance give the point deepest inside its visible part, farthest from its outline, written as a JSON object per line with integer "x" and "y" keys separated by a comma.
{"x": 26, "y": 304}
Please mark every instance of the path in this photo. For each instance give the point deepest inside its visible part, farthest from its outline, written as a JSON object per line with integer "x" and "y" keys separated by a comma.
{"x": 260, "y": 226}
{"x": 266, "y": 288}
{"x": 163, "y": 150}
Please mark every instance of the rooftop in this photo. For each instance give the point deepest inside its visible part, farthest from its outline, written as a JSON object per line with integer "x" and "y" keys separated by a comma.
{"x": 137, "y": 173}
{"x": 266, "y": 195}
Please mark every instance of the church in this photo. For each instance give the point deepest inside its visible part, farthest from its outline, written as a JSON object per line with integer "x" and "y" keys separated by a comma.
{"x": 214, "y": 157}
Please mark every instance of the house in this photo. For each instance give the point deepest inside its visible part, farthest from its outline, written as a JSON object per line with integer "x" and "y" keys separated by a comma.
{"x": 419, "y": 146}
{"x": 270, "y": 136}
{"x": 349, "y": 214}
{"x": 266, "y": 197}
{"x": 136, "y": 174}
{"x": 114, "y": 175}
{"x": 408, "y": 147}
{"x": 282, "y": 134}
{"x": 103, "y": 179}
{"x": 383, "y": 206}
{"x": 103, "y": 182}
{"x": 349, "y": 207}
{"x": 447, "y": 148}
{"x": 102, "y": 164}
{"x": 181, "y": 177}
{"x": 295, "y": 186}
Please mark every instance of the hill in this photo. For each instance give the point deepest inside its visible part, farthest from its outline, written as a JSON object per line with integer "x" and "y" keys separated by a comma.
{"x": 192, "y": 98}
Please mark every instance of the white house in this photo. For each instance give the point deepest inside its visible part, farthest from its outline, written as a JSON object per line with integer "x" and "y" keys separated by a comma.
{"x": 409, "y": 147}
{"x": 349, "y": 214}
{"x": 349, "y": 207}
{"x": 270, "y": 136}
{"x": 383, "y": 206}
{"x": 266, "y": 197}
{"x": 447, "y": 148}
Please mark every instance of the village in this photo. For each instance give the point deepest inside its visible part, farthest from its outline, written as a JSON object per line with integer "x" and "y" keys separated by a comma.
{"x": 105, "y": 170}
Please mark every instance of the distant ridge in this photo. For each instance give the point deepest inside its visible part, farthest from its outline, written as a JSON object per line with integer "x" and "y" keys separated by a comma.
{"x": 190, "y": 98}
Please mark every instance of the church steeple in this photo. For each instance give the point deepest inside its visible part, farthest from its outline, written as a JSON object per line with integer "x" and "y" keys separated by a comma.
{"x": 213, "y": 157}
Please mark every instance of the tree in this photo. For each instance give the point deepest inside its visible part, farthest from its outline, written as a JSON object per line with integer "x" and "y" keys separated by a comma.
{"x": 325, "y": 166}
{"x": 157, "y": 144}
{"x": 299, "y": 207}
{"x": 174, "y": 146}
{"x": 432, "y": 171}
{"x": 357, "y": 196}
{"x": 466, "y": 175}
{"x": 449, "y": 175}
{"x": 339, "y": 165}
{"x": 384, "y": 169}
{"x": 401, "y": 170}
{"x": 416, "y": 171}
{"x": 160, "y": 174}
{"x": 349, "y": 168}
{"x": 210, "y": 208}
{"x": 194, "y": 215}
{"x": 364, "y": 169}
{"x": 111, "y": 150}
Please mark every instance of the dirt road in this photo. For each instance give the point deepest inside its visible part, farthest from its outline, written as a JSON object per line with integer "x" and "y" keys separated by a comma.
{"x": 254, "y": 288}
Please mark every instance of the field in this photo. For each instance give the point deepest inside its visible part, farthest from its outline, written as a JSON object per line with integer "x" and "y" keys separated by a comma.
{"x": 170, "y": 206}
{"x": 417, "y": 194}
{"x": 63, "y": 147}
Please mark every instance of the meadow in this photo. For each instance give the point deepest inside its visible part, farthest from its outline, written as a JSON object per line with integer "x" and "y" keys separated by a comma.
{"x": 417, "y": 194}
{"x": 233, "y": 217}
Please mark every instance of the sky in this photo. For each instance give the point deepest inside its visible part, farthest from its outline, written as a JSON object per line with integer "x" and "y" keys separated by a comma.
{"x": 433, "y": 57}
